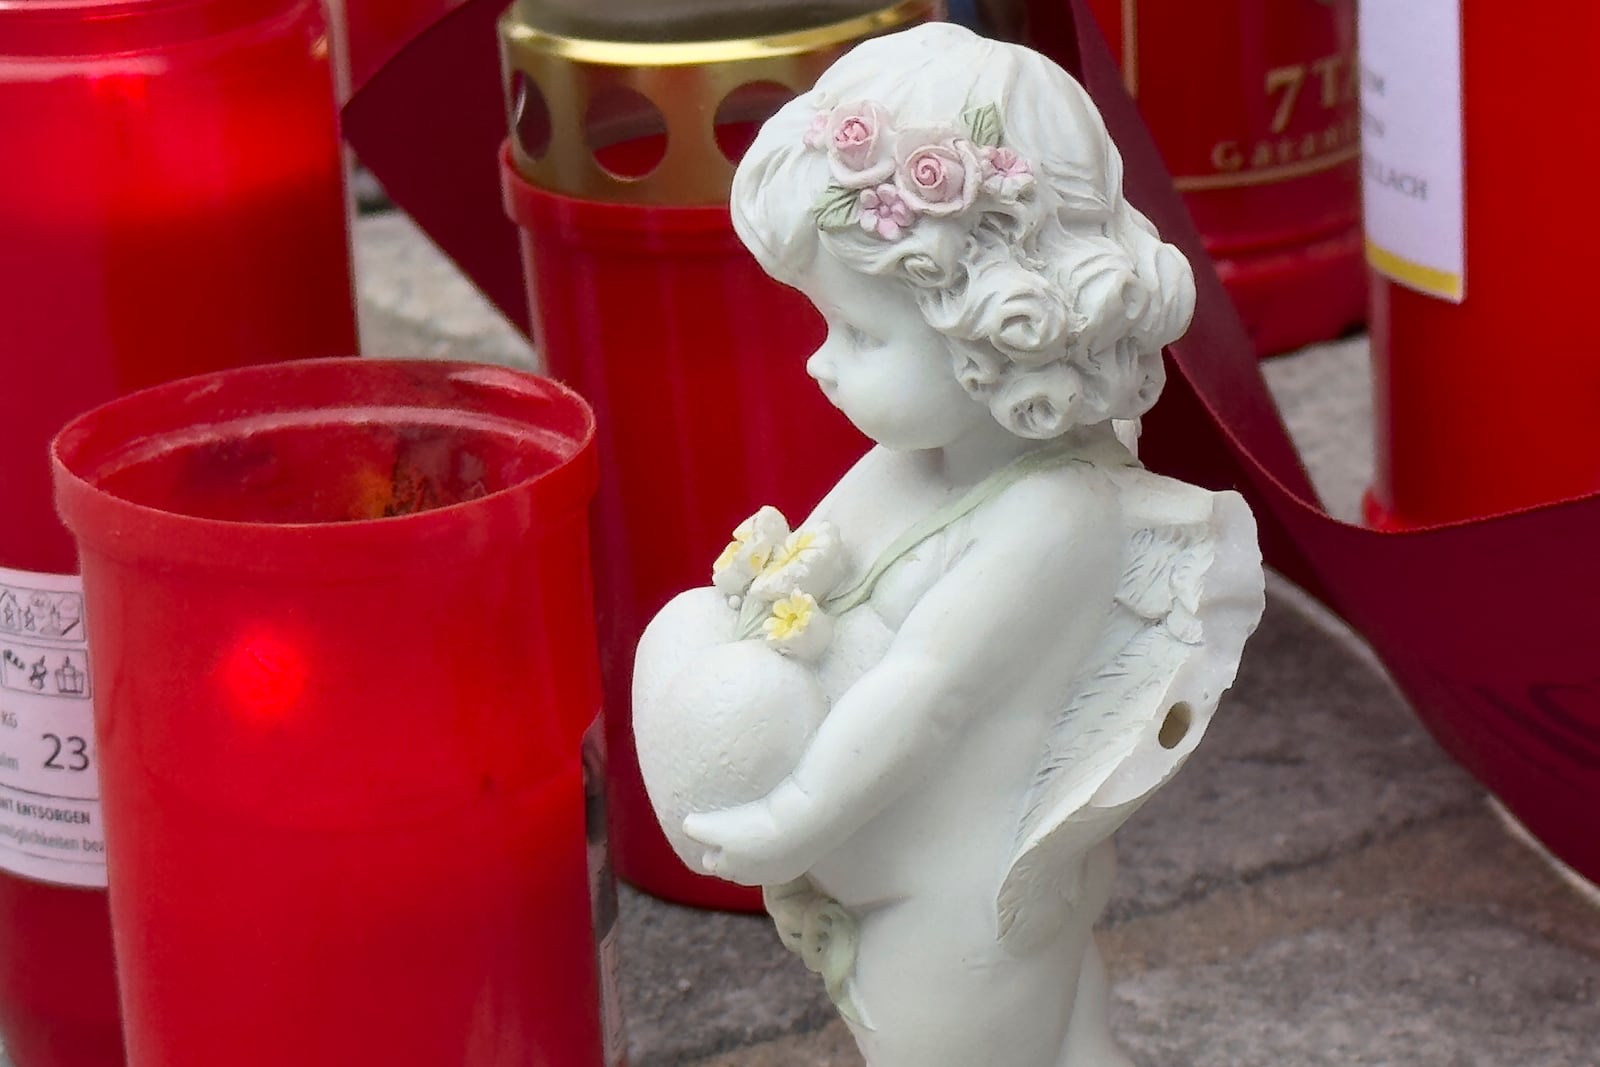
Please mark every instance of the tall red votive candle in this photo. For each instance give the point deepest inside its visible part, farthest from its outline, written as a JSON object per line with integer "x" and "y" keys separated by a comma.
{"x": 343, "y": 667}
{"x": 617, "y": 174}
{"x": 171, "y": 202}
{"x": 1253, "y": 103}
{"x": 1483, "y": 359}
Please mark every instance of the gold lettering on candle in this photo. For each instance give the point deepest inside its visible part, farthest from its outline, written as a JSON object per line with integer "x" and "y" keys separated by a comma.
{"x": 1227, "y": 156}
{"x": 1241, "y": 162}
{"x": 1289, "y": 81}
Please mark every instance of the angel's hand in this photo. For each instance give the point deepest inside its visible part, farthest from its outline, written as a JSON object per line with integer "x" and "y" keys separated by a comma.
{"x": 766, "y": 842}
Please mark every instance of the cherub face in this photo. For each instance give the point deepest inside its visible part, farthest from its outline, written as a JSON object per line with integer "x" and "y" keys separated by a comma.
{"x": 883, "y": 366}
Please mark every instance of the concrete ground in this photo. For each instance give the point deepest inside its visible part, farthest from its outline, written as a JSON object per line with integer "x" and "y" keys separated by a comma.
{"x": 1321, "y": 886}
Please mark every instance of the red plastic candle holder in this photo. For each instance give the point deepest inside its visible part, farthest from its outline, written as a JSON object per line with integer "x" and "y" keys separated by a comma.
{"x": 342, "y": 647}
{"x": 1484, "y": 405}
{"x": 617, "y": 174}
{"x": 171, "y": 202}
{"x": 701, "y": 425}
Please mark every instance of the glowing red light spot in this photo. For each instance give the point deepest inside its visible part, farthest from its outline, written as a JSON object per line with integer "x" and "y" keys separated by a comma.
{"x": 264, "y": 675}
{"x": 128, "y": 85}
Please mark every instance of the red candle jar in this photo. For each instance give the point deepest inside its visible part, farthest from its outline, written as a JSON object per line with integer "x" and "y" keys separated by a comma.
{"x": 343, "y": 664}
{"x": 1468, "y": 238}
{"x": 1254, "y": 106}
{"x": 172, "y": 201}
{"x": 644, "y": 300}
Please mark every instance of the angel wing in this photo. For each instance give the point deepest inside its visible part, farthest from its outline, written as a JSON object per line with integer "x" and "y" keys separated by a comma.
{"x": 1190, "y": 593}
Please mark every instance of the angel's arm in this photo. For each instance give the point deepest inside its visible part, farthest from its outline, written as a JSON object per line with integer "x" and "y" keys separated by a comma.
{"x": 1029, "y": 586}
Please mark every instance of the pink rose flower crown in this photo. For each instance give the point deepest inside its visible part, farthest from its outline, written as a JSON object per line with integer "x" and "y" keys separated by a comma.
{"x": 885, "y": 178}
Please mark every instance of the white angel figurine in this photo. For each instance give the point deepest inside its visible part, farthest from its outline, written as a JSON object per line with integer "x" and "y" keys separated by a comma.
{"x": 1017, "y": 632}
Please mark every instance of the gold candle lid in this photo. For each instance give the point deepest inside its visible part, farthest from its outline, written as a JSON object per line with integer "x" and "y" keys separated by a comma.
{"x": 651, "y": 113}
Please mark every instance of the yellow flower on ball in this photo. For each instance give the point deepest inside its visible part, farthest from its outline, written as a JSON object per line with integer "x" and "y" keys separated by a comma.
{"x": 730, "y": 555}
{"x": 797, "y": 626}
{"x": 793, "y": 548}
{"x": 751, "y": 549}
{"x": 790, "y": 616}
{"x": 811, "y": 559}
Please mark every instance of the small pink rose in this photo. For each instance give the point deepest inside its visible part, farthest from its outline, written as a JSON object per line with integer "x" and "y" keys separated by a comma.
{"x": 937, "y": 177}
{"x": 816, "y": 135}
{"x": 1005, "y": 174}
{"x": 857, "y": 140}
{"x": 885, "y": 212}
{"x": 1005, "y": 161}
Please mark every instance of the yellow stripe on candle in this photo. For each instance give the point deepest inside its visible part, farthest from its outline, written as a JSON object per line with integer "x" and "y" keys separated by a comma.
{"x": 1447, "y": 285}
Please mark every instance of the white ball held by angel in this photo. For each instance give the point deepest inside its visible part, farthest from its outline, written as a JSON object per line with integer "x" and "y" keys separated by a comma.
{"x": 917, "y": 716}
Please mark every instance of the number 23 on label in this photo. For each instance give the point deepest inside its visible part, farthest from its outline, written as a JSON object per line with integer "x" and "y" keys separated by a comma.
{"x": 67, "y": 753}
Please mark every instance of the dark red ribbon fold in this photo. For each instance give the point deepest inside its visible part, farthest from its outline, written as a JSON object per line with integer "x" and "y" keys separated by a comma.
{"x": 1485, "y": 625}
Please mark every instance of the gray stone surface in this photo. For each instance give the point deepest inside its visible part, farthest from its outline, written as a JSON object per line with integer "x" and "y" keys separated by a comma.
{"x": 368, "y": 193}
{"x": 415, "y": 303}
{"x": 1325, "y": 395}
{"x": 697, "y": 983}
{"x": 1444, "y": 945}
{"x": 1422, "y": 986}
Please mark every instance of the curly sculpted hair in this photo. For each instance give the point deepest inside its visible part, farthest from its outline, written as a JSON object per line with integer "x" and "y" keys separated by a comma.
{"x": 1057, "y": 304}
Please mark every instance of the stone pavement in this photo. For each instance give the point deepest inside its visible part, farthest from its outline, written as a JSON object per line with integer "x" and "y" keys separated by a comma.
{"x": 1320, "y": 886}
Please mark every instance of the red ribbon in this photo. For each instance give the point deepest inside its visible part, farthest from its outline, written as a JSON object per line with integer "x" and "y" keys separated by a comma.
{"x": 1486, "y": 625}
{"x": 429, "y": 125}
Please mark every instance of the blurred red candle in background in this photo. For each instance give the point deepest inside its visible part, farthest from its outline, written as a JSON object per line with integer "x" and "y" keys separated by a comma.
{"x": 1254, "y": 106}
{"x": 642, "y": 297}
{"x": 171, "y": 201}
{"x": 1484, "y": 367}
{"x": 344, "y": 655}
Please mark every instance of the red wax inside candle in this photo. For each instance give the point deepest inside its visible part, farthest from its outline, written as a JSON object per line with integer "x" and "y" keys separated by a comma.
{"x": 342, "y": 640}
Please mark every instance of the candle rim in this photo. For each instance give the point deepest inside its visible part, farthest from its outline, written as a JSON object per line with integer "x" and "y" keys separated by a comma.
{"x": 103, "y": 28}
{"x": 88, "y": 448}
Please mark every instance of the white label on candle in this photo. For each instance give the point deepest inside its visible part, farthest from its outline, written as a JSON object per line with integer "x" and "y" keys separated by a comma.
{"x": 1412, "y": 170}
{"x": 49, "y": 790}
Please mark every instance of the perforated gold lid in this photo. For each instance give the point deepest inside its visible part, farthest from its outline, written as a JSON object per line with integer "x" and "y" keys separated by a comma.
{"x": 655, "y": 121}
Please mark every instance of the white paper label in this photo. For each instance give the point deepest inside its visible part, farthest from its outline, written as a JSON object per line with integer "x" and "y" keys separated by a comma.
{"x": 1411, "y": 143}
{"x": 49, "y": 790}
